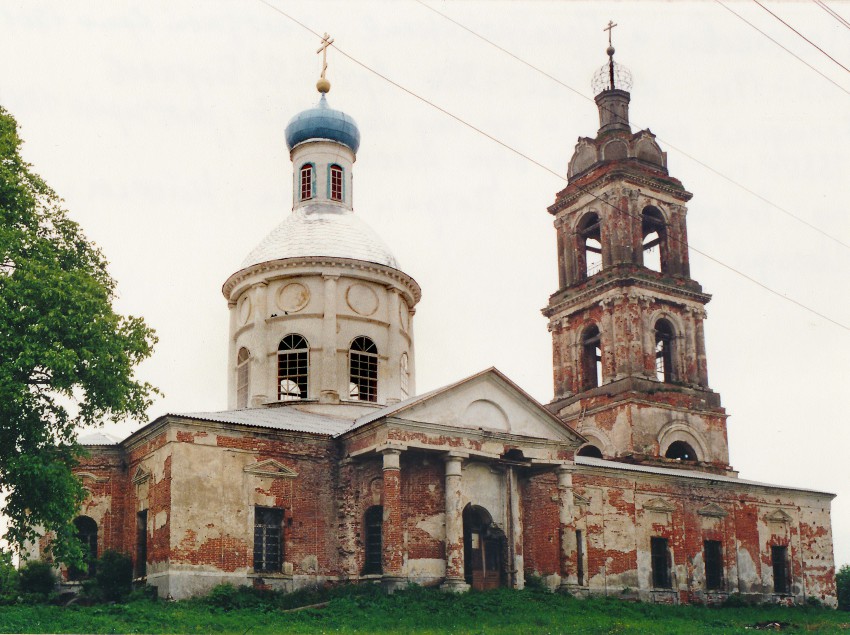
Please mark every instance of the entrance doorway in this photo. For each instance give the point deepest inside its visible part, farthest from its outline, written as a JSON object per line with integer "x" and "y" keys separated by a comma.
{"x": 484, "y": 547}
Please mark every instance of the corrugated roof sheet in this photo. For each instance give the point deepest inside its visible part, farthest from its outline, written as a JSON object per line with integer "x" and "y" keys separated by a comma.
{"x": 689, "y": 474}
{"x": 283, "y": 418}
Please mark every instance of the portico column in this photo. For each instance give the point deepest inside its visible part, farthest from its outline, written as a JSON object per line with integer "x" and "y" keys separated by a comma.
{"x": 565, "y": 522}
{"x": 391, "y": 530}
{"x": 454, "y": 526}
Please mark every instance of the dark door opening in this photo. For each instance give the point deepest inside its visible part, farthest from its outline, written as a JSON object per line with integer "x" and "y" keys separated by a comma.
{"x": 484, "y": 547}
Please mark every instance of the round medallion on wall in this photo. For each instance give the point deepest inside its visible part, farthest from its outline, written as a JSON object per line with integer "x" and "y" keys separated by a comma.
{"x": 243, "y": 309}
{"x": 403, "y": 315}
{"x": 361, "y": 299}
{"x": 293, "y": 297}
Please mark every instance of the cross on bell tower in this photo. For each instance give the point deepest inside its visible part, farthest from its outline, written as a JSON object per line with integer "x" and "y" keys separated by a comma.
{"x": 627, "y": 320}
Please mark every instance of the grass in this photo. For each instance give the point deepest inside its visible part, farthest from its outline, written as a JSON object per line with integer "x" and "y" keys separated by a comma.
{"x": 365, "y": 609}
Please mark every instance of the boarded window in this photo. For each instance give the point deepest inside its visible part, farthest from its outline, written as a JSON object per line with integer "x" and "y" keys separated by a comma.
{"x": 293, "y": 358}
{"x": 660, "y": 563}
{"x": 268, "y": 543}
{"x": 713, "y": 565}
{"x": 336, "y": 183}
{"x": 372, "y": 540}
{"x": 87, "y": 534}
{"x": 141, "y": 544}
{"x": 779, "y": 558}
{"x": 306, "y": 182}
{"x": 242, "y": 377}
{"x": 363, "y": 370}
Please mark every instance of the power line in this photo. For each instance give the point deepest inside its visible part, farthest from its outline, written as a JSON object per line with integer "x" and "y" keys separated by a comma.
{"x": 743, "y": 19}
{"x": 801, "y": 35}
{"x": 834, "y": 14}
{"x": 553, "y": 172}
{"x": 664, "y": 141}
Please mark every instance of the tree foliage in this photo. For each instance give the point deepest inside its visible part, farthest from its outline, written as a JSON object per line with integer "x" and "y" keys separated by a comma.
{"x": 842, "y": 583}
{"x": 66, "y": 358}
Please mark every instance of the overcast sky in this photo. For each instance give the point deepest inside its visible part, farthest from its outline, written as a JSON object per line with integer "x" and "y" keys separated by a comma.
{"x": 161, "y": 124}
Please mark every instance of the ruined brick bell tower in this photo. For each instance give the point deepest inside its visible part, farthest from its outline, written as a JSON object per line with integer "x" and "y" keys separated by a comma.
{"x": 627, "y": 320}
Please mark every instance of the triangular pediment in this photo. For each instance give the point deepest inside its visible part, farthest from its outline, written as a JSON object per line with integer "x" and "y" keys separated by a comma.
{"x": 272, "y": 468}
{"x": 140, "y": 476}
{"x": 487, "y": 401}
{"x": 713, "y": 510}
{"x": 778, "y": 516}
{"x": 659, "y": 505}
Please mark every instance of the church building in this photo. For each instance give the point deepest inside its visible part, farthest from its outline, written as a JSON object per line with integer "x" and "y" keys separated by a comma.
{"x": 328, "y": 467}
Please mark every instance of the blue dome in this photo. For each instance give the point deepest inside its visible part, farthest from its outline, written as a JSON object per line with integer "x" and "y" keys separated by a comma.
{"x": 323, "y": 122}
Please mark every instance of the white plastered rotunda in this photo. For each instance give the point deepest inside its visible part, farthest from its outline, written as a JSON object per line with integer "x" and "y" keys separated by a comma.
{"x": 320, "y": 311}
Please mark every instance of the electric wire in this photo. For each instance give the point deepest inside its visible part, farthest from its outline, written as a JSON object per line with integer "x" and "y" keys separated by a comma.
{"x": 556, "y": 174}
{"x": 801, "y": 35}
{"x": 743, "y": 19}
{"x": 663, "y": 141}
{"x": 834, "y": 14}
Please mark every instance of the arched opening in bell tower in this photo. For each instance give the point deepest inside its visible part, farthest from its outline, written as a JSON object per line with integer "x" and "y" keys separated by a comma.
{"x": 681, "y": 451}
{"x": 589, "y": 247}
{"x": 654, "y": 232}
{"x": 664, "y": 336}
{"x": 591, "y": 358}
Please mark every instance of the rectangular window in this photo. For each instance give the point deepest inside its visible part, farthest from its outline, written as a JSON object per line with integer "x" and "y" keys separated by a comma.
{"x": 779, "y": 557}
{"x": 579, "y": 558}
{"x": 660, "y": 563}
{"x": 713, "y": 565}
{"x": 306, "y": 182}
{"x": 268, "y": 539}
{"x": 141, "y": 544}
{"x": 336, "y": 183}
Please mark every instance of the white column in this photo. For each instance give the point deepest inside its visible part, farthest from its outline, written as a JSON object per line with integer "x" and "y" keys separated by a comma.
{"x": 329, "y": 383}
{"x": 454, "y": 526}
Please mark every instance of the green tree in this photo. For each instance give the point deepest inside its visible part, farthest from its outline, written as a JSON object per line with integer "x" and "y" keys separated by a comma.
{"x": 66, "y": 358}
{"x": 842, "y": 583}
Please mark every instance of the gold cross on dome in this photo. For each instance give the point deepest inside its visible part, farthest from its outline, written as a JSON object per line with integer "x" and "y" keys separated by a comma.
{"x": 327, "y": 40}
{"x": 609, "y": 28}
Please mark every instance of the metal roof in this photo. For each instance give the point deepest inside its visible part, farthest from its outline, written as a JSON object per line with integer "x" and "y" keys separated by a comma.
{"x": 323, "y": 122}
{"x": 689, "y": 474}
{"x": 98, "y": 438}
{"x": 281, "y": 418}
{"x": 322, "y": 229}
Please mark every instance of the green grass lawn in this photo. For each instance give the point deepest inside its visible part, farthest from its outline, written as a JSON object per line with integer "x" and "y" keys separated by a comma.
{"x": 366, "y": 610}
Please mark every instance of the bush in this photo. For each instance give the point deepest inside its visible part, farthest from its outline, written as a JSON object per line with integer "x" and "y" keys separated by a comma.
{"x": 842, "y": 584}
{"x": 37, "y": 579}
{"x": 9, "y": 579}
{"x": 113, "y": 576}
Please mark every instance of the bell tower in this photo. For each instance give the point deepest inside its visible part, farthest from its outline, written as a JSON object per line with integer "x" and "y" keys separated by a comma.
{"x": 627, "y": 320}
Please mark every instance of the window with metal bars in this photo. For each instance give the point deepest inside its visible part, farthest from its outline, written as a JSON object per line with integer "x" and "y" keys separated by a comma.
{"x": 306, "y": 181}
{"x": 660, "y": 563}
{"x": 293, "y": 361}
{"x": 372, "y": 540}
{"x": 242, "y": 377}
{"x": 713, "y": 565}
{"x": 664, "y": 351}
{"x": 268, "y": 539}
{"x": 363, "y": 370}
{"x": 336, "y": 183}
